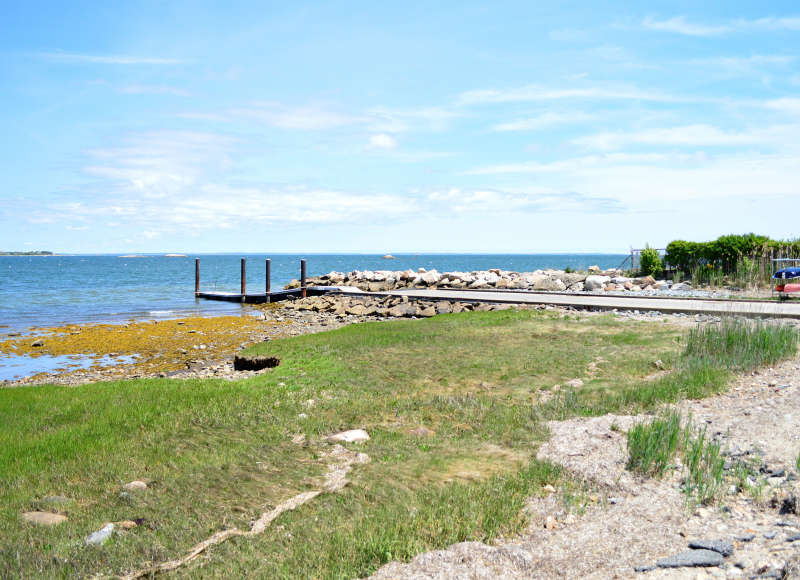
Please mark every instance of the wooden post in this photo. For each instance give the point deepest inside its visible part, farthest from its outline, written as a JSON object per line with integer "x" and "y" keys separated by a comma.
{"x": 303, "y": 278}
{"x": 269, "y": 266}
{"x": 196, "y": 276}
{"x": 244, "y": 280}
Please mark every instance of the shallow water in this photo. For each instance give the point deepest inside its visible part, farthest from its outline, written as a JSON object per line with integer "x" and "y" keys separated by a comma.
{"x": 15, "y": 367}
{"x": 54, "y": 290}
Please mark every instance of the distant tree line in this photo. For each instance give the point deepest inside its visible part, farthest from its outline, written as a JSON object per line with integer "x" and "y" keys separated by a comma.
{"x": 28, "y": 253}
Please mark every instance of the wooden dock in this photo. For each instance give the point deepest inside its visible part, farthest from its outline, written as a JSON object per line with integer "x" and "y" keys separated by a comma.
{"x": 716, "y": 306}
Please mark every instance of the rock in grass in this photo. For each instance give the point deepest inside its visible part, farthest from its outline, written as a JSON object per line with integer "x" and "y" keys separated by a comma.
{"x": 101, "y": 536}
{"x": 136, "y": 485}
{"x": 691, "y": 558}
{"x": 44, "y": 518}
{"x": 574, "y": 383}
{"x": 351, "y": 436}
{"x": 255, "y": 363}
{"x": 722, "y": 546}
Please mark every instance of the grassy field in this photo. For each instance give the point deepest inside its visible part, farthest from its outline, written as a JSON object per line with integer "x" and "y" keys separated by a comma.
{"x": 219, "y": 453}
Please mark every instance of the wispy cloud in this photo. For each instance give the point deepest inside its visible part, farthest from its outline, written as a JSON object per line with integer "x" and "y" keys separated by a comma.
{"x": 382, "y": 141}
{"x": 532, "y": 93}
{"x": 679, "y": 25}
{"x": 70, "y": 57}
{"x": 154, "y": 90}
{"x": 688, "y": 135}
{"x": 504, "y": 201}
{"x": 543, "y": 121}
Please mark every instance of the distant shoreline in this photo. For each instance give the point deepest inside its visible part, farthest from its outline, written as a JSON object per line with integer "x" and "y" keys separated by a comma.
{"x": 34, "y": 253}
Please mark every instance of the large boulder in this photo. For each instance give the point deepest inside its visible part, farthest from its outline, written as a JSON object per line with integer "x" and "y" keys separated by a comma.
{"x": 550, "y": 284}
{"x": 595, "y": 282}
{"x": 431, "y": 277}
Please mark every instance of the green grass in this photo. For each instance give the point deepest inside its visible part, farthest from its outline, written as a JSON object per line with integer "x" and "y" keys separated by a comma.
{"x": 710, "y": 353}
{"x": 219, "y": 453}
{"x": 651, "y": 446}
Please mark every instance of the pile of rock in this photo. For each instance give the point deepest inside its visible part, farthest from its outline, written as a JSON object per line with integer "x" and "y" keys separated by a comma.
{"x": 386, "y": 307}
{"x": 540, "y": 280}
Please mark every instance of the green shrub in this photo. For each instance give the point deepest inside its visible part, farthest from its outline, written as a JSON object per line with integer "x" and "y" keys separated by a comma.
{"x": 650, "y": 262}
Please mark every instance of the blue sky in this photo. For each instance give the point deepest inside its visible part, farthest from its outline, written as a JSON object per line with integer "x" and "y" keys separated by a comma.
{"x": 392, "y": 127}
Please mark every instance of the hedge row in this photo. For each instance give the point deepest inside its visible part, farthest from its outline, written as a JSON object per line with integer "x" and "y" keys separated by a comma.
{"x": 726, "y": 251}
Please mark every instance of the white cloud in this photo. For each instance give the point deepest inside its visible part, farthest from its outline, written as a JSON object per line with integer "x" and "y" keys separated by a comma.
{"x": 785, "y": 105}
{"x": 697, "y": 135}
{"x": 504, "y": 201}
{"x": 532, "y": 93}
{"x": 543, "y": 121}
{"x": 382, "y": 141}
{"x": 108, "y": 59}
{"x": 680, "y": 25}
{"x": 154, "y": 90}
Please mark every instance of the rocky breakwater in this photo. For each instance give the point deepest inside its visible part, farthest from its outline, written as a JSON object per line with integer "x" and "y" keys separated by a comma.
{"x": 594, "y": 280}
{"x": 366, "y": 308}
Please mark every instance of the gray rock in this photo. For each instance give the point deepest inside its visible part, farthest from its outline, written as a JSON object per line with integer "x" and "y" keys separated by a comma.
{"x": 101, "y": 536}
{"x": 351, "y": 436}
{"x": 595, "y": 282}
{"x": 745, "y": 538}
{"x": 646, "y": 568}
{"x": 771, "y": 534}
{"x": 44, "y": 518}
{"x": 691, "y": 558}
{"x": 793, "y": 538}
{"x": 681, "y": 286}
{"x": 722, "y": 546}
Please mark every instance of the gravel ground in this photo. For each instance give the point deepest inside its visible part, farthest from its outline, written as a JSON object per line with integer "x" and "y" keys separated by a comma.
{"x": 628, "y": 522}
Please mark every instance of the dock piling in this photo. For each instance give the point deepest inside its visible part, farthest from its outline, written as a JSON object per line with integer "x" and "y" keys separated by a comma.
{"x": 269, "y": 267}
{"x": 196, "y": 276}
{"x": 244, "y": 280}
{"x": 303, "y": 278}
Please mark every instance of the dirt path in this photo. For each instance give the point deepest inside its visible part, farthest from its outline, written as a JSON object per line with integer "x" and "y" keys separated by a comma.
{"x": 625, "y": 522}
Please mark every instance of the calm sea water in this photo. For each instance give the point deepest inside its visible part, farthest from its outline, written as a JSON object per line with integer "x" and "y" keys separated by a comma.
{"x": 52, "y": 290}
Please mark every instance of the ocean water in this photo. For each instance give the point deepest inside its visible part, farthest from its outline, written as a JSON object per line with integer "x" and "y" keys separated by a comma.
{"x": 38, "y": 291}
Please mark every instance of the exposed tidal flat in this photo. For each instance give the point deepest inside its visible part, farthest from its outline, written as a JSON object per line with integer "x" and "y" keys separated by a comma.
{"x": 65, "y": 293}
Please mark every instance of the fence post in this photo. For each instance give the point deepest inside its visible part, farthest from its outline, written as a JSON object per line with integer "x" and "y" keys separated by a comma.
{"x": 269, "y": 264}
{"x": 196, "y": 276}
{"x": 303, "y": 278}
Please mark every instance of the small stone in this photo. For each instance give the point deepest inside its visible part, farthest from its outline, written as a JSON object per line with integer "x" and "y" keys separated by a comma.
{"x": 37, "y": 343}
{"x": 100, "y": 536}
{"x": 691, "y": 558}
{"x": 351, "y": 436}
{"x": 423, "y": 431}
{"x": 722, "y": 546}
{"x": 659, "y": 364}
{"x": 302, "y": 416}
{"x": 793, "y": 538}
{"x": 126, "y": 524}
{"x": 745, "y": 538}
{"x": 646, "y": 568}
{"x": 789, "y": 505}
{"x": 136, "y": 485}
{"x": 549, "y": 488}
{"x": 44, "y": 518}
{"x": 574, "y": 383}
{"x": 770, "y": 534}
{"x": 550, "y": 523}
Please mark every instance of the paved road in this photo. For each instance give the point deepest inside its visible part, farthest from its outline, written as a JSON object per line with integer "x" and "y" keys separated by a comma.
{"x": 694, "y": 306}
